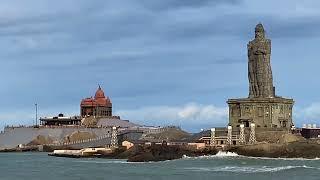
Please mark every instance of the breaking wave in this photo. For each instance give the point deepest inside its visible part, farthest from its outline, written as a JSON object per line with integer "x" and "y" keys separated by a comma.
{"x": 226, "y": 154}
{"x": 220, "y": 154}
{"x": 248, "y": 169}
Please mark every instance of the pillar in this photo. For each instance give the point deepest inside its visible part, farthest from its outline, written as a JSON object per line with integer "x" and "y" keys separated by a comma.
{"x": 242, "y": 138}
{"x": 114, "y": 138}
{"x": 213, "y": 137}
{"x": 229, "y": 136}
{"x": 252, "y": 138}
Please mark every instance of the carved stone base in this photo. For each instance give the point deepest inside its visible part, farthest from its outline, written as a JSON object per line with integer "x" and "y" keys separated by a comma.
{"x": 264, "y": 112}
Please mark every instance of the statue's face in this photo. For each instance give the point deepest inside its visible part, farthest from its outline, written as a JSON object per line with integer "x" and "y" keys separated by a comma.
{"x": 259, "y": 34}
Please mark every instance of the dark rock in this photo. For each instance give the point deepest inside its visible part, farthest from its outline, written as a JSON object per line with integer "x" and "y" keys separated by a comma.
{"x": 301, "y": 149}
{"x": 144, "y": 153}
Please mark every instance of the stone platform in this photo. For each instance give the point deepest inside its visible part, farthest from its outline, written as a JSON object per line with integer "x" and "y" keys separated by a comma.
{"x": 264, "y": 112}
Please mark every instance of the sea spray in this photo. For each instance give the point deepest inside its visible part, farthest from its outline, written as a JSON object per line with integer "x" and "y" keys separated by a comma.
{"x": 226, "y": 154}
{"x": 247, "y": 169}
{"x": 220, "y": 154}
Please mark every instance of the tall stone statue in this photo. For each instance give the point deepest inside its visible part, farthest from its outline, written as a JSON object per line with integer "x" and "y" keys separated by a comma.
{"x": 259, "y": 67}
{"x": 262, "y": 108}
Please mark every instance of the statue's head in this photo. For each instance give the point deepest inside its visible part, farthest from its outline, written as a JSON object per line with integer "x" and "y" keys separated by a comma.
{"x": 259, "y": 31}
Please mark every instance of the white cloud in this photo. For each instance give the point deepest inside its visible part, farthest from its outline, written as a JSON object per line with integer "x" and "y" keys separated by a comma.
{"x": 191, "y": 116}
{"x": 307, "y": 115}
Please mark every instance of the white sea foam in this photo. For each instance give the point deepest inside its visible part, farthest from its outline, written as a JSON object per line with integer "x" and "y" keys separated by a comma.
{"x": 226, "y": 154}
{"x": 285, "y": 159}
{"x": 220, "y": 154}
{"x": 248, "y": 169}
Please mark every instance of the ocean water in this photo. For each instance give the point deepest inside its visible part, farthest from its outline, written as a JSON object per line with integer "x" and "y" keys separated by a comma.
{"x": 33, "y": 166}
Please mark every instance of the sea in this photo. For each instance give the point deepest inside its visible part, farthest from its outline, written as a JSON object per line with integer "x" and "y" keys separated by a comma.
{"x": 34, "y": 166}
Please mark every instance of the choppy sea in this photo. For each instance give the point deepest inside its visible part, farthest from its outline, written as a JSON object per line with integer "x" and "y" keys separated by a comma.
{"x": 34, "y": 166}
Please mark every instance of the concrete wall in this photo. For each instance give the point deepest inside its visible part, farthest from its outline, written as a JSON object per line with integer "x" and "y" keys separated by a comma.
{"x": 13, "y": 136}
{"x": 96, "y": 143}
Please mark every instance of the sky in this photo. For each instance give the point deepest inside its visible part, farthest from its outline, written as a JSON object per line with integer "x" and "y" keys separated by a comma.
{"x": 168, "y": 62}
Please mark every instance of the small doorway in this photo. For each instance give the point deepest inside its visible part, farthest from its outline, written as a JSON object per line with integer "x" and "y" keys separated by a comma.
{"x": 284, "y": 124}
{"x": 246, "y": 123}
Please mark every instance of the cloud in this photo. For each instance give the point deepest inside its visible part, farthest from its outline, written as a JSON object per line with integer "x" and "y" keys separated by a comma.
{"x": 191, "y": 116}
{"x": 166, "y": 5}
{"x": 307, "y": 115}
{"x": 195, "y": 116}
{"x": 151, "y": 54}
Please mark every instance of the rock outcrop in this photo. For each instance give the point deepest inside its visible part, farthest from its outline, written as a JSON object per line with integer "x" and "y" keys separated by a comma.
{"x": 79, "y": 135}
{"x": 145, "y": 153}
{"x": 41, "y": 140}
{"x": 297, "y": 149}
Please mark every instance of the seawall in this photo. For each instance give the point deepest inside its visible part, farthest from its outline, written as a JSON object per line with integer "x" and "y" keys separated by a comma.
{"x": 13, "y": 136}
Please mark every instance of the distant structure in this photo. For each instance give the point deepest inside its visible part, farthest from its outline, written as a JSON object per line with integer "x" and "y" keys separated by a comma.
{"x": 99, "y": 106}
{"x": 60, "y": 120}
{"x": 262, "y": 107}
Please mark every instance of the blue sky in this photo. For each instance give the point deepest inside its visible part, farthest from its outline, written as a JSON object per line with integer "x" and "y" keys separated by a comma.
{"x": 161, "y": 62}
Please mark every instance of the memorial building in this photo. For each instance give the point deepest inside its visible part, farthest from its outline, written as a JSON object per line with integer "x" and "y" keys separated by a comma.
{"x": 99, "y": 106}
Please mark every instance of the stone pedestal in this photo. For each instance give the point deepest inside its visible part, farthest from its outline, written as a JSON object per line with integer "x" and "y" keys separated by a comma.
{"x": 264, "y": 112}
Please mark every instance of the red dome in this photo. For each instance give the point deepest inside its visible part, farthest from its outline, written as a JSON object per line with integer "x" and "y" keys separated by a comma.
{"x": 99, "y": 94}
{"x": 98, "y": 100}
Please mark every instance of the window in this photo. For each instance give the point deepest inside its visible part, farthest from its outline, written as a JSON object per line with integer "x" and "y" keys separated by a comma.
{"x": 284, "y": 124}
{"x": 281, "y": 109}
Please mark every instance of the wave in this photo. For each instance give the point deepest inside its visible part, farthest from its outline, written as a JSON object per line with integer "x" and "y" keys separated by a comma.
{"x": 220, "y": 154}
{"x": 248, "y": 169}
{"x": 227, "y": 154}
{"x": 285, "y": 159}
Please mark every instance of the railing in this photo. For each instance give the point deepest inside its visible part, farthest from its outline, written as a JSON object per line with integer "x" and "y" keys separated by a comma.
{"x": 234, "y": 137}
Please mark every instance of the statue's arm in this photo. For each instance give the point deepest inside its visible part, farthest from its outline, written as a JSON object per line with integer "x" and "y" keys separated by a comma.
{"x": 268, "y": 46}
{"x": 261, "y": 48}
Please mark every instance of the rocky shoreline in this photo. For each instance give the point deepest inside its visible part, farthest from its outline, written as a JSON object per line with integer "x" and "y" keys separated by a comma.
{"x": 161, "y": 152}
{"x": 298, "y": 149}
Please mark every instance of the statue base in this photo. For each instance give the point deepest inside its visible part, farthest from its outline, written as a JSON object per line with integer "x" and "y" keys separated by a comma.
{"x": 264, "y": 112}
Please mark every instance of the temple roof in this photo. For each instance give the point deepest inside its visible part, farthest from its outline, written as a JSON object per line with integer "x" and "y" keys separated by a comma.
{"x": 99, "y": 94}
{"x": 98, "y": 100}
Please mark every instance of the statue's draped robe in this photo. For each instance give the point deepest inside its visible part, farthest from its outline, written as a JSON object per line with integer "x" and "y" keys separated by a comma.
{"x": 259, "y": 68}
